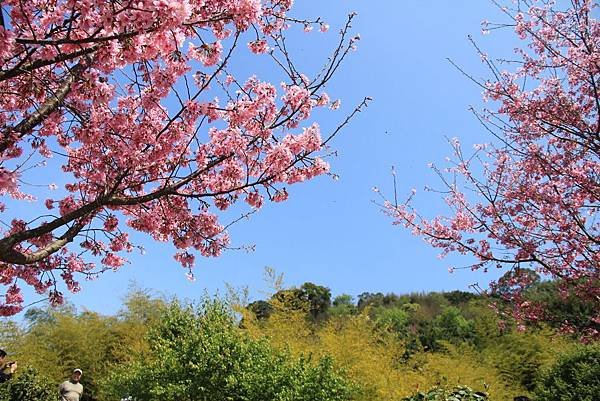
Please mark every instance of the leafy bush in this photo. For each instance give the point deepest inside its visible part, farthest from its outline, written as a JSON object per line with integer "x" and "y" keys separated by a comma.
{"x": 28, "y": 386}
{"x": 575, "y": 377}
{"x": 451, "y": 325}
{"x": 201, "y": 354}
{"x": 459, "y": 393}
{"x": 395, "y": 320}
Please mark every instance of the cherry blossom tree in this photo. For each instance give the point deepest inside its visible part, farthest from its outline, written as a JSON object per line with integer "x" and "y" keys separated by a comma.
{"x": 133, "y": 105}
{"x": 532, "y": 198}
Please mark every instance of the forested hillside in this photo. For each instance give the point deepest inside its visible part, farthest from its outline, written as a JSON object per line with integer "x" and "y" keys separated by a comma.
{"x": 300, "y": 344}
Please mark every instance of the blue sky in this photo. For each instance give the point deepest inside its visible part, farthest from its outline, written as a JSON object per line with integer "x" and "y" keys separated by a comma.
{"x": 330, "y": 232}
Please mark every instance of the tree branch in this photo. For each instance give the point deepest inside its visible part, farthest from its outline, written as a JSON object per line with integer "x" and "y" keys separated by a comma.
{"x": 8, "y": 74}
{"x": 47, "y": 108}
{"x": 21, "y": 258}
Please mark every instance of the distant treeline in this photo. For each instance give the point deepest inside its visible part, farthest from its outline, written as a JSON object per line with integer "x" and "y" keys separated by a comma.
{"x": 556, "y": 310}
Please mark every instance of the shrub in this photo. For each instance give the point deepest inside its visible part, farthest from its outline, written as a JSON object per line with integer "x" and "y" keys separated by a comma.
{"x": 28, "y": 386}
{"x": 201, "y": 354}
{"x": 459, "y": 393}
{"x": 575, "y": 377}
{"x": 451, "y": 325}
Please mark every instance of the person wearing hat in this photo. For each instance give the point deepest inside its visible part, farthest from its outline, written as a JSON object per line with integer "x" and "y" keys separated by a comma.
{"x": 71, "y": 390}
{"x": 6, "y": 369}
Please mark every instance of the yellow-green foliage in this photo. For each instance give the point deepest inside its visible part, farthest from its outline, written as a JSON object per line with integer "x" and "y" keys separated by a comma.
{"x": 464, "y": 366}
{"x": 374, "y": 360}
{"x": 59, "y": 340}
{"x": 350, "y": 342}
{"x": 521, "y": 357}
{"x": 387, "y": 360}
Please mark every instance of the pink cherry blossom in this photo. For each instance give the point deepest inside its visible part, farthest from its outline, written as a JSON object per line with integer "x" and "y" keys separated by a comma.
{"x": 87, "y": 82}
{"x": 258, "y": 46}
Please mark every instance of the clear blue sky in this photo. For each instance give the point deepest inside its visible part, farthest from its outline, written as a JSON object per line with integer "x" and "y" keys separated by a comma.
{"x": 329, "y": 232}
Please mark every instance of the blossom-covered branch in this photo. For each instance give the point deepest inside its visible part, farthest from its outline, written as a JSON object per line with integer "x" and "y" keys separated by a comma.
{"x": 119, "y": 102}
{"x": 531, "y": 199}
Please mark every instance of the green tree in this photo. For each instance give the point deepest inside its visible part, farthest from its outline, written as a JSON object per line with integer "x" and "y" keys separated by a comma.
{"x": 292, "y": 299}
{"x": 517, "y": 357}
{"x": 140, "y": 306}
{"x": 198, "y": 354}
{"x": 459, "y": 297}
{"x": 312, "y": 298}
{"x": 451, "y": 325}
{"x": 57, "y": 341}
{"x": 396, "y": 320}
{"x": 343, "y": 305}
{"x": 514, "y": 281}
{"x": 368, "y": 299}
{"x": 319, "y": 298}
{"x": 575, "y": 377}
{"x": 261, "y": 309}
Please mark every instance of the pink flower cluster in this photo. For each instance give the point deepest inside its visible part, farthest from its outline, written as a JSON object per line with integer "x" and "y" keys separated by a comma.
{"x": 86, "y": 83}
{"x": 258, "y": 46}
